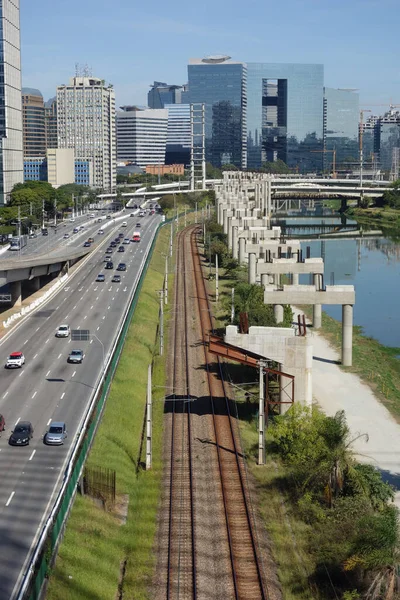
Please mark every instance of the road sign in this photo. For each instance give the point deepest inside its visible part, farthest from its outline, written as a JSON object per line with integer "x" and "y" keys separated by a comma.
{"x": 80, "y": 335}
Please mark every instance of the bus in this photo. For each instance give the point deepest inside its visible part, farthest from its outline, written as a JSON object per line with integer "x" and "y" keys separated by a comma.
{"x": 18, "y": 242}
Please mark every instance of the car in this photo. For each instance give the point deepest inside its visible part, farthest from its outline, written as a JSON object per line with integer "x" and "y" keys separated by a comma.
{"x": 2, "y": 423}
{"x": 127, "y": 241}
{"x": 124, "y": 224}
{"x": 106, "y": 259}
{"x": 72, "y": 220}
{"x": 92, "y": 216}
{"x": 101, "y": 277}
{"x": 108, "y": 217}
{"x": 45, "y": 231}
{"x": 15, "y": 360}
{"x": 121, "y": 235}
{"x": 152, "y": 212}
{"x": 132, "y": 215}
{"x": 75, "y": 356}
{"x": 99, "y": 220}
{"x": 109, "y": 250}
{"x": 121, "y": 267}
{"x": 90, "y": 240}
{"x": 113, "y": 245}
{"x": 141, "y": 213}
{"x": 75, "y": 230}
{"x": 121, "y": 249}
{"x": 82, "y": 227}
{"x": 56, "y": 433}
{"x": 138, "y": 225}
{"x": 87, "y": 245}
{"x": 109, "y": 265}
{"x": 32, "y": 235}
{"x": 22, "y": 434}
{"x": 66, "y": 236}
{"x": 116, "y": 279}
{"x": 100, "y": 232}
{"x": 63, "y": 331}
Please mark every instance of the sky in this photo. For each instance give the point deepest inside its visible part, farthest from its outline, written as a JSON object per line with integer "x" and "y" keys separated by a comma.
{"x": 131, "y": 44}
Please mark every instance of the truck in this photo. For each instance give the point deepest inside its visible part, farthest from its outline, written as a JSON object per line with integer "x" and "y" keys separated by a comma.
{"x": 18, "y": 242}
{"x": 136, "y": 236}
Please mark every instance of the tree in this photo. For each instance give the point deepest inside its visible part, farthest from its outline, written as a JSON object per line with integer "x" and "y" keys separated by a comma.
{"x": 278, "y": 167}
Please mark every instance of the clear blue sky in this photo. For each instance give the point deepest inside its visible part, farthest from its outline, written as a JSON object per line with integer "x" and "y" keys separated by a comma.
{"x": 130, "y": 44}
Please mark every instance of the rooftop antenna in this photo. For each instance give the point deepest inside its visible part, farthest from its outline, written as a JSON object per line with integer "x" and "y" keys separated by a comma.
{"x": 76, "y": 69}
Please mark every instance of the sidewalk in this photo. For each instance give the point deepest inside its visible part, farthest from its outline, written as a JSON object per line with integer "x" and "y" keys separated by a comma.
{"x": 334, "y": 390}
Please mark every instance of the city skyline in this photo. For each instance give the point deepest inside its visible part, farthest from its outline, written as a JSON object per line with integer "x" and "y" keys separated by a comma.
{"x": 148, "y": 47}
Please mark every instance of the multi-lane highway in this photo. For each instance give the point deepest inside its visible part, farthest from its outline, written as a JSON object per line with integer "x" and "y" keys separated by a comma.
{"x": 48, "y": 388}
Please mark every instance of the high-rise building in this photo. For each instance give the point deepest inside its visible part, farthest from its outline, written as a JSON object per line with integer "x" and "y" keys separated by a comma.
{"x": 178, "y": 135}
{"x": 142, "y": 135}
{"x": 220, "y": 84}
{"x": 341, "y": 122}
{"x": 50, "y": 115}
{"x": 33, "y": 123}
{"x": 11, "y": 144}
{"x": 387, "y": 139}
{"x": 285, "y": 114}
{"x": 162, "y": 94}
{"x": 86, "y": 122}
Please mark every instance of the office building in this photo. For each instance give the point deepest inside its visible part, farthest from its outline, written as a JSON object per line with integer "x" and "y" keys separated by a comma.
{"x": 162, "y": 94}
{"x": 142, "y": 135}
{"x": 86, "y": 123}
{"x": 341, "y": 122}
{"x": 285, "y": 114}
{"x": 220, "y": 84}
{"x": 50, "y": 115}
{"x": 178, "y": 135}
{"x": 11, "y": 150}
{"x": 35, "y": 168}
{"x": 33, "y": 123}
{"x": 387, "y": 141}
{"x": 56, "y": 168}
{"x": 83, "y": 172}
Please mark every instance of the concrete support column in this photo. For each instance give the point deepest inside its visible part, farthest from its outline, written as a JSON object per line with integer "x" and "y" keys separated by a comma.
{"x": 277, "y": 279}
{"x": 225, "y": 221}
{"x": 252, "y": 267}
{"x": 242, "y": 248}
{"x": 264, "y": 279}
{"x": 235, "y": 246}
{"x": 220, "y": 213}
{"x": 278, "y": 312}
{"x": 347, "y": 335}
{"x": 317, "y": 316}
{"x": 295, "y": 279}
{"x": 230, "y": 233}
{"x": 35, "y": 284}
{"x": 16, "y": 293}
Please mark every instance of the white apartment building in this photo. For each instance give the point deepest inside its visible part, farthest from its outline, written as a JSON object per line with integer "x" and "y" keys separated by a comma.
{"x": 142, "y": 135}
{"x": 86, "y": 122}
{"x": 11, "y": 144}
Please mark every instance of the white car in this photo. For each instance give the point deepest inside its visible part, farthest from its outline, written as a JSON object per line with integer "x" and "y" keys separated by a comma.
{"x": 72, "y": 220}
{"x": 15, "y": 360}
{"x": 63, "y": 331}
{"x": 124, "y": 224}
{"x": 100, "y": 232}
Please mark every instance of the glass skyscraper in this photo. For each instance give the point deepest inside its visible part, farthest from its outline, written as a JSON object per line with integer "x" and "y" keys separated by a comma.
{"x": 178, "y": 135}
{"x": 220, "y": 84}
{"x": 341, "y": 119}
{"x": 11, "y": 146}
{"x": 285, "y": 114}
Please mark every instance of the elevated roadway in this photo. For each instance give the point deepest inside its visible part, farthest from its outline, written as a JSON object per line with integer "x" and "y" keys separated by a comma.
{"x": 48, "y": 388}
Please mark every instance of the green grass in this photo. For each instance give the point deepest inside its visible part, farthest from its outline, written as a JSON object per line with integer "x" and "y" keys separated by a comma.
{"x": 95, "y": 544}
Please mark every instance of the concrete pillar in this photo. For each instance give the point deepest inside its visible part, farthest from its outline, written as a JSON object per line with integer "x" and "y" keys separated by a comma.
{"x": 317, "y": 316}
{"x": 16, "y": 293}
{"x": 35, "y": 284}
{"x": 277, "y": 279}
{"x": 295, "y": 279}
{"x": 220, "y": 213}
{"x": 347, "y": 335}
{"x": 264, "y": 279}
{"x": 278, "y": 312}
{"x": 235, "y": 247}
{"x": 225, "y": 221}
{"x": 230, "y": 233}
{"x": 252, "y": 267}
{"x": 242, "y": 248}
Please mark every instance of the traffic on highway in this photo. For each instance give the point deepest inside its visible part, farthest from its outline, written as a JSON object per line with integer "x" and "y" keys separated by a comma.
{"x": 43, "y": 398}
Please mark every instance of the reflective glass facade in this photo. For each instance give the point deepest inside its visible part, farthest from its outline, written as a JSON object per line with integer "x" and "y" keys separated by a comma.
{"x": 389, "y": 138}
{"x": 222, "y": 88}
{"x": 285, "y": 114}
{"x": 341, "y": 118}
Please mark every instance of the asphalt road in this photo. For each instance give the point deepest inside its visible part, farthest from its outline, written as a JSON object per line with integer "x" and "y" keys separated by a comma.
{"x": 48, "y": 388}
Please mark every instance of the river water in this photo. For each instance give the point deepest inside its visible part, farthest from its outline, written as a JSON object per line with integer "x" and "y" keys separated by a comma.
{"x": 372, "y": 265}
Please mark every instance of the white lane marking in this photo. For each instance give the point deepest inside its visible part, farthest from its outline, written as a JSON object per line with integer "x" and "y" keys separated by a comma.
{"x": 81, "y": 297}
{"x": 74, "y": 307}
{"x": 80, "y": 289}
{"x": 108, "y": 307}
{"x": 32, "y": 455}
{"x": 69, "y": 341}
{"x": 59, "y": 356}
{"x": 48, "y": 422}
{"x": 91, "y": 341}
{"x": 34, "y": 395}
{"x": 25, "y": 342}
{"x": 48, "y": 339}
{"x": 78, "y": 327}
{"x": 97, "y": 297}
{"x": 73, "y": 374}
{"x": 10, "y": 498}
{"x": 125, "y": 288}
{"x": 66, "y": 316}
{"x": 20, "y": 375}
{"x": 104, "y": 317}
{"x": 91, "y": 307}
{"x": 35, "y": 356}
{"x": 57, "y": 307}
{"x": 96, "y": 288}
{"x": 98, "y": 328}
{"x": 5, "y": 394}
{"x": 62, "y": 395}
{"x": 85, "y": 317}
{"x": 17, "y": 421}
{"x": 109, "y": 289}
{"x": 37, "y": 329}
{"x": 48, "y": 373}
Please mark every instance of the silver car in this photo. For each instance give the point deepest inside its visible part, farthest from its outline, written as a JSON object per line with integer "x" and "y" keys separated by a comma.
{"x": 56, "y": 434}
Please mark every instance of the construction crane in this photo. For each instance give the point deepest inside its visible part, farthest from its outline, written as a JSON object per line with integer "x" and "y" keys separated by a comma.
{"x": 325, "y": 151}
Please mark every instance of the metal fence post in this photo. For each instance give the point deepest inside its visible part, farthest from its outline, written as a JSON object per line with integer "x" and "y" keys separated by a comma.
{"x": 148, "y": 421}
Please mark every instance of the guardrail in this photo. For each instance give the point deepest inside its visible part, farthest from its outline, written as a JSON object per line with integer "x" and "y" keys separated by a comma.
{"x": 49, "y": 538}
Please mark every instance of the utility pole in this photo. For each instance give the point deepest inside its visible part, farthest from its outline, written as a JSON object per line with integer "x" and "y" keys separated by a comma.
{"x": 73, "y": 206}
{"x": 161, "y": 322}
{"x": 42, "y": 214}
{"x": 55, "y": 212}
{"x": 216, "y": 278}
{"x": 261, "y": 417}
{"x": 361, "y": 152}
{"x": 148, "y": 421}
{"x": 166, "y": 280}
{"x": 185, "y": 216}
{"x": 233, "y": 305}
{"x": 195, "y": 213}
{"x": 170, "y": 239}
{"x": 19, "y": 221}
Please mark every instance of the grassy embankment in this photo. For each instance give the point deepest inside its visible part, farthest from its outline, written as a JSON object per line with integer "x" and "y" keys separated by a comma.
{"x": 289, "y": 534}
{"x": 386, "y": 219}
{"x": 95, "y": 543}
